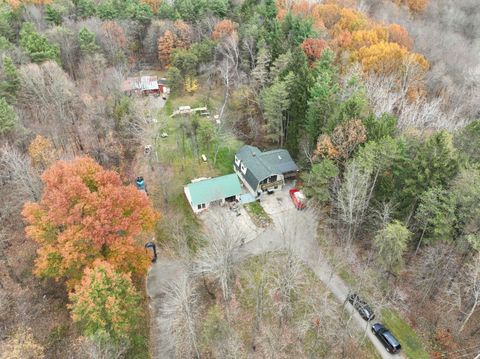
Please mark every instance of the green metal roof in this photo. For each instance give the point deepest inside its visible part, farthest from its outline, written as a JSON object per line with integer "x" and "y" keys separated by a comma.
{"x": 214, "y": 189}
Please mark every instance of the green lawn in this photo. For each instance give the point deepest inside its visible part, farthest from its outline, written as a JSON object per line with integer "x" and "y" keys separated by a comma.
{"x": 411, "y": 344}
{"x": 181, "y": 158}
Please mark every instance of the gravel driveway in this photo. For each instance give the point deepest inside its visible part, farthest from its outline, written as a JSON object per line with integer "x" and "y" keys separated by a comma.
{"x": 291, "y": 229}
{"x": 297, "y": 230}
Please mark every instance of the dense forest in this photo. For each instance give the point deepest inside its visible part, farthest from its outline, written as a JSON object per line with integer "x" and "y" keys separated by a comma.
{"x": 375, "y": 100}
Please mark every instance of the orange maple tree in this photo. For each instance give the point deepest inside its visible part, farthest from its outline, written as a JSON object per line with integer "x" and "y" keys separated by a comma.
{"x": 86, "y": 213}
{"x": 313, "y": 49}
{"x": 301, "y": 8}
{"x": 347, "y": 136}
{"x": 350, "y": 20}
{"x": 165, "y": 45}
{"x": 325, "y": 148}
{"x": 223, "y": 29}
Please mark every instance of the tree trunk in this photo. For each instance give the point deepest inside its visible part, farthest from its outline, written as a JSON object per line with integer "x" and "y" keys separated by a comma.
{"x": 467, "y": 318}
{"x": 420, "y": 240}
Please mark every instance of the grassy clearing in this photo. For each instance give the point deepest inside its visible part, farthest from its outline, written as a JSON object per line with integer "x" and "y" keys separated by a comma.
{"x": 258, "y": 214}
{"x": 180, "y": 156}
{"x": 411, "y": 344}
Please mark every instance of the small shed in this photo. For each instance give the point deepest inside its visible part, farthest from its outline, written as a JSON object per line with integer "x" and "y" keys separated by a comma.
{"x": 218, "y": 190}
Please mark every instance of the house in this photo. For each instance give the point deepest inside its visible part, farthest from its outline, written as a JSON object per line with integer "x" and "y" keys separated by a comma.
{"x": 264, "y": 171}
{"x": 144, "y": 85}
{"x": 207, "y": 191}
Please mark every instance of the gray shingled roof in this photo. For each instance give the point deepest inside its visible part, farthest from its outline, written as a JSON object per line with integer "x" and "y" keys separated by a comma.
{"x": 260, "y": 165}
{"x": 279, "y": 160}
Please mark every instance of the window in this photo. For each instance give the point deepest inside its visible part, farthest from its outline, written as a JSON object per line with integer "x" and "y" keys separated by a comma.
{"x": 200, "y": 206}
{"x": 272, "y": 178}
{"x": 237, "y": 161}
{"x": 243, "y": 169}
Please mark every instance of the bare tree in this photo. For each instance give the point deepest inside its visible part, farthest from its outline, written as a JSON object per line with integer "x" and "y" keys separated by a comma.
{"x": 285, "y": 280}
{"x": 351, "y": 199}
{"x": 179, "y": 318}
{"x": 258, "y": 281}
{"x": 100, "y": 347}
{"x": 434, "y": 270}
{"x": 217, "y": 258}
{"x": 228, "y": 54}
{"x": 382, "y": 93}
{"x": 472, "y": 285}
{"x": 382, "y": 214}
{"x": 260, "y": 74}
{"x": 249, "y": 42}
{"x": 16, "y": 168}
{"x": 49, "y": 104}
{"x": 67, "y": 40}
{"x": 21, "y": 344}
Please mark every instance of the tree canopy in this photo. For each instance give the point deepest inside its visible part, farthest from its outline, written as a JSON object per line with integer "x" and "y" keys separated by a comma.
{"x": 86, "y": 213}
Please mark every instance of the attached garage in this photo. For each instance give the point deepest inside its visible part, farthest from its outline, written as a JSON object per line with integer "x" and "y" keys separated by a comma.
{"x": 205, "y": 192}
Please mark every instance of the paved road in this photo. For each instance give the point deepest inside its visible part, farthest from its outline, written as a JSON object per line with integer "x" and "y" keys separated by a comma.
{"x": 291, "y": 229}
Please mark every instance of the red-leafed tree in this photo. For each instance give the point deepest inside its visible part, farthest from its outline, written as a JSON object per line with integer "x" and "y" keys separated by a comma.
{"x": 313, "y": 49}
{"x": 86, "y": 213}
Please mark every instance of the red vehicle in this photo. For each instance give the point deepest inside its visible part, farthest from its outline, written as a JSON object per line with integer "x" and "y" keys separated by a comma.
{"x": 298, "y": 198}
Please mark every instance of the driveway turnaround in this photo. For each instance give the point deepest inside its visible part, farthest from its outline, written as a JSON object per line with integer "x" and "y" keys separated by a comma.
{"x": 291, "y": 229}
